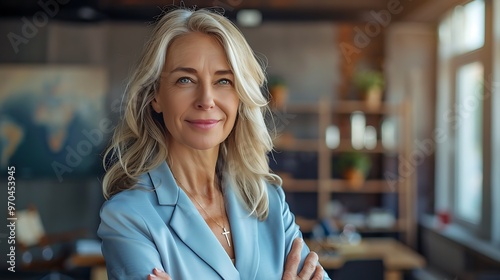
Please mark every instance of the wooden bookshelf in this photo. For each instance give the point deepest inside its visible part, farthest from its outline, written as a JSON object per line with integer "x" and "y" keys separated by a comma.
{"x": 326, "y": 187}
{"x": 370, "y": 186}
{"x": 300, "y": 145}
{"x": 299, "y": 185}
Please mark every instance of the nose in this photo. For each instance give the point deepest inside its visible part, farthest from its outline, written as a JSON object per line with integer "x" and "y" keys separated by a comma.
{"x": 205, "y": 97}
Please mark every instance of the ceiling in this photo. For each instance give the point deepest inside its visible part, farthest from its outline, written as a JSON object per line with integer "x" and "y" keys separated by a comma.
{"x": 272, "y": 10}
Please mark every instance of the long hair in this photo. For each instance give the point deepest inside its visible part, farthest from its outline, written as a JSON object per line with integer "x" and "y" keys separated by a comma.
{"x": 139, "y": 143}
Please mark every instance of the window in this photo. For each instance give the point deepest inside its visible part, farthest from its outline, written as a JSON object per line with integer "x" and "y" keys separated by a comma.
{"x": 469, "y": 26}
{"x": 495, "y": 196}
{"x": 465, "y": 110}
{"x": 469, "y": 144}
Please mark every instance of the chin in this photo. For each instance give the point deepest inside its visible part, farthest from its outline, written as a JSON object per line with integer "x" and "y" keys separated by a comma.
{"x": 204, "y": 145}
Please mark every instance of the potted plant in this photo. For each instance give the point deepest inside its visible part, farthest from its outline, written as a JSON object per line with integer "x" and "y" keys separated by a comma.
{"x": 278, "y": 91}
{"x": 372, "y": 84}
{"x": 354, "y": 167}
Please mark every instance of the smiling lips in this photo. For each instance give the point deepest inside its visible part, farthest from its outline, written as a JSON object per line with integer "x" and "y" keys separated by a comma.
{"x": 204, "y": 124}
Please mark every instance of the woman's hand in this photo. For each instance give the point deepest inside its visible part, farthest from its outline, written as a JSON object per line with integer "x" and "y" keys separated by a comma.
{"x": 310, "y": 270}
{"x": 159, "y": 275}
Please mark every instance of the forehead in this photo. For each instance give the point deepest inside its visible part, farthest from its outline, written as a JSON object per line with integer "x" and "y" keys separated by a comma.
{"x": 195, "y": 49}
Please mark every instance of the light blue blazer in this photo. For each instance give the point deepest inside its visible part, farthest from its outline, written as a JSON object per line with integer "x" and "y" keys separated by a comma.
{"x": 160, "y": 227}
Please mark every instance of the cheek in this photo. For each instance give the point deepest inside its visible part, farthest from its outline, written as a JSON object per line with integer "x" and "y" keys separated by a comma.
{"x": 232, "y": 105}
{"x": 174, "y": 106}
{"x": 171, "y": 114}
{"x": 172, "y": 118}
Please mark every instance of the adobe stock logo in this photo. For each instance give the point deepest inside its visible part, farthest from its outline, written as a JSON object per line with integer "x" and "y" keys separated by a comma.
{"x": 29, "y": 29}
{"x": 92, "y": 139}
{"x": 75, "y": 155}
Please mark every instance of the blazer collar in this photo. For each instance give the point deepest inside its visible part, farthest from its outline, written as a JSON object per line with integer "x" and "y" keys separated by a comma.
{"x": 187, "y": 223}
{"x": 164, "y": 184}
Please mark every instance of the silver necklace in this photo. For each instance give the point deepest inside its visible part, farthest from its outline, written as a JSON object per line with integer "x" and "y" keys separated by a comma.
{"x": 225, "y": 232}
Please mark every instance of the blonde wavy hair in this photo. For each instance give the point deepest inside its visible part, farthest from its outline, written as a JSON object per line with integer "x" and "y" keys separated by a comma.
{"x": 139, "y": 143}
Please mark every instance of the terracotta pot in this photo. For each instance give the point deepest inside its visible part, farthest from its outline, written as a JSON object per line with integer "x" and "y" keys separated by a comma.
{"x": 373, "y": 98}
{"x": 355, "y": 178}
{"x": 279, "y": 96}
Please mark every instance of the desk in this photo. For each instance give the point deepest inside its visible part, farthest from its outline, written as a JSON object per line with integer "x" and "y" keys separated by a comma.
{"x": 95, "y": 262}
{"x": 397, "y": 257}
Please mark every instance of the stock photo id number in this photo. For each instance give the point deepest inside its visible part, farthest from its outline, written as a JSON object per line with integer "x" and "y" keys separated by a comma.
{"x": 11, "y": 218}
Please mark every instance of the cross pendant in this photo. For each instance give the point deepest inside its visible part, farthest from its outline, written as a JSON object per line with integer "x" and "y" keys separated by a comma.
{"x": 226, "y": 233}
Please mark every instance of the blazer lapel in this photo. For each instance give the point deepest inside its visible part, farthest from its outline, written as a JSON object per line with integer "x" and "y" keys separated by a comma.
{"x": 244, "y": 229}
{"x": 190, "y": 226}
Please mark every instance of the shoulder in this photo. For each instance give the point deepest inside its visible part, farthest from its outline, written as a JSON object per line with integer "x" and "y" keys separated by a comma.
{"x": 276, "y": 197}
{"x": 131, "y": 200}
{"x": 128, "y": 213}
{"x": 275, "y": 193}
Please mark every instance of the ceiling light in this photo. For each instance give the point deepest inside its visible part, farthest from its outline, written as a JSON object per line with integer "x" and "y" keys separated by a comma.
{"x": 249, "y": 18}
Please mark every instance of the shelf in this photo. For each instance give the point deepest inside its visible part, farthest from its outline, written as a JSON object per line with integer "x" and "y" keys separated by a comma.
{"x": 312, "y": 145}
{"x": 323, "y": 185}
{"x": 347, "y": 107}
{"x": 301, "y": 108}
{"x": 343, "y": 107}
{"x": 346, "y": 146}
{"x": 381, "y": 230}
{"x": 396, "y": 228}
{"x": 335, "y": 186}
{"x": 299, "y": 185}
{"x": 370, "y": 186}
{"x": 300, "y": 145}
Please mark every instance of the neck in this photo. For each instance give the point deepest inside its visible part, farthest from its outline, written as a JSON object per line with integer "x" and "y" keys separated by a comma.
{"x": 195, "y": 170}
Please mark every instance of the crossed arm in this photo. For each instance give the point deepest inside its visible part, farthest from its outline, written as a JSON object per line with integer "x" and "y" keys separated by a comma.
{"x": 311, "y": 269}
{"x": 127, "y": 238}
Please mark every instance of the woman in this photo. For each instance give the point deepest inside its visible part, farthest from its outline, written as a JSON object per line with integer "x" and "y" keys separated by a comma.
{"x": 189, "y": 188}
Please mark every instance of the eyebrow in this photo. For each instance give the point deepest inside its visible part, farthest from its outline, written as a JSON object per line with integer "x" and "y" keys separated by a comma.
{"x": 193, "y": 71}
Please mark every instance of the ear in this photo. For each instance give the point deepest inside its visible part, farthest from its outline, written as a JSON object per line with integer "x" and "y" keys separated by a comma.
{"x": 156, "y": 105}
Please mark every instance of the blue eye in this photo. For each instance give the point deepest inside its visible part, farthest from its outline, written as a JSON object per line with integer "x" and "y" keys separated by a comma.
{"x": 225, "y": 82}
{"x": 184, "y": 80}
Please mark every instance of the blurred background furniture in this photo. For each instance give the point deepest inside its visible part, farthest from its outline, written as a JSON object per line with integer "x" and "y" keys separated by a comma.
{"x": 323, "y": 140}
{"x": 396, "y": 256}
{"x": 43, "y": 254}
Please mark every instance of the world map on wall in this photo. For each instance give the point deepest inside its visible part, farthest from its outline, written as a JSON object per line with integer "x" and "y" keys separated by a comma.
{"x": 49, "y": 120}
